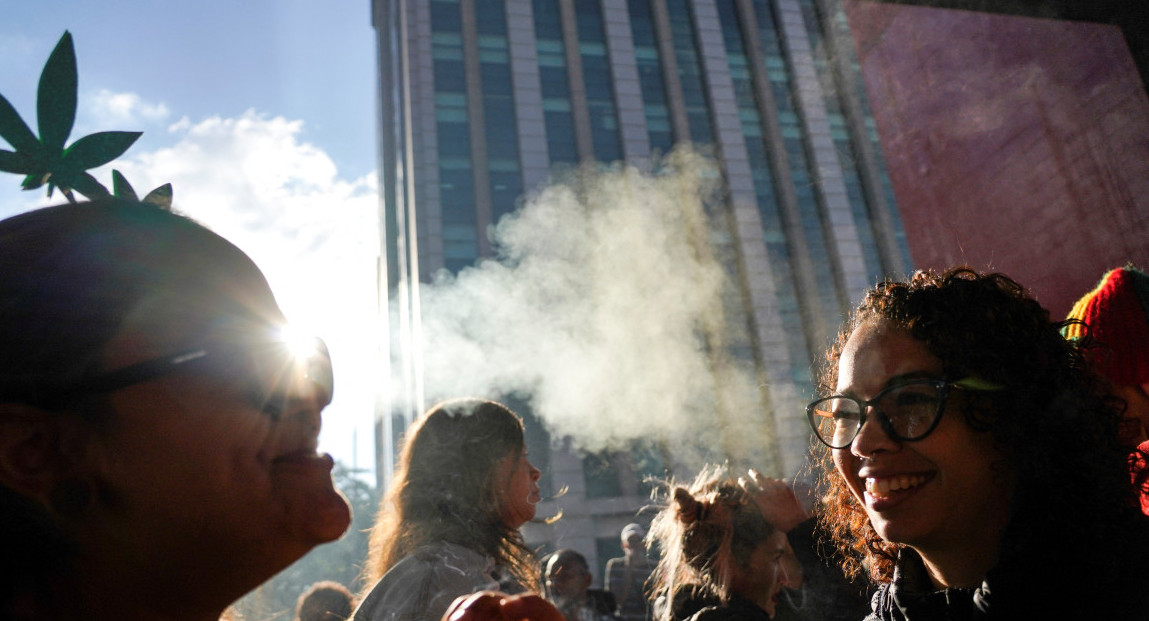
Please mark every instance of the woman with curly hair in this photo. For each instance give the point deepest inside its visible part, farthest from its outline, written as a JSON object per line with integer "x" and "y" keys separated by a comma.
{"x": 992, "y": 484}
{"x": 449, "y": 524}
{"x": 723, "y": 543}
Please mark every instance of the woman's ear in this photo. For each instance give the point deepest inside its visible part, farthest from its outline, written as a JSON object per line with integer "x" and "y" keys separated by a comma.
{"x": 37, "y": 449}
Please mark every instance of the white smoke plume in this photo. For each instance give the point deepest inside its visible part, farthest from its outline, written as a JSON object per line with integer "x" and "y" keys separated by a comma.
{"x": 605, "y": 307}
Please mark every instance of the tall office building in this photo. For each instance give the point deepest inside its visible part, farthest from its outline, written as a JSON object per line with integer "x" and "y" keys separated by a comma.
{"x": 480, "y": 100}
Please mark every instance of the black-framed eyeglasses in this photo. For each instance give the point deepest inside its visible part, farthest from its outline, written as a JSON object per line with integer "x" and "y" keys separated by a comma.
{"x": 269, "y": 370}
{"x": 907, "y": 412}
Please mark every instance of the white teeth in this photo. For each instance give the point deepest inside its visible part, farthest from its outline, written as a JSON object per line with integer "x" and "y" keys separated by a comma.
{"x": 881, "y": 488}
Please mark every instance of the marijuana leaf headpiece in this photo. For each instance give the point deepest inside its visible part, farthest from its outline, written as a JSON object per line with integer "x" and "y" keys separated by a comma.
{"x": 45, "y": 160}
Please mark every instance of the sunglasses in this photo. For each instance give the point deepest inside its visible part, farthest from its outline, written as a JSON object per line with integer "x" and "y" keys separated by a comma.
{"x": 269, "y": 370}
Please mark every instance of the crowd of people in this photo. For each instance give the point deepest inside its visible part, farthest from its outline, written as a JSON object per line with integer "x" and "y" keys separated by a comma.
{"x": 979, "y": 459}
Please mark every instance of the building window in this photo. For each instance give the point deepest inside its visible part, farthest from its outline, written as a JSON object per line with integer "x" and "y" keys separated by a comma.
{"x": 601, "y": 475}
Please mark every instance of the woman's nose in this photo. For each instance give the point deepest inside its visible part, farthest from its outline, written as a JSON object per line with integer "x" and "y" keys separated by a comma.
{"x": 872, "y": 438}
{"x": 304, "y": 402}
{"x": 536, "y": 474}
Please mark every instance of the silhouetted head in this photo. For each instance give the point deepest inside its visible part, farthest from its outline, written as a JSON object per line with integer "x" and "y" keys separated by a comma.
{"x": 152, "y": 414}
{"x": 324, "y": 601}
{"x": 567, "y": 575}
{"x": 462, "y": 477}
{"x": 714, "y": 539}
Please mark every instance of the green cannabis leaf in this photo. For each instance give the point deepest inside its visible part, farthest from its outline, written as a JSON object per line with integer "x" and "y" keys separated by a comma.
{"x": 46, "y": 160}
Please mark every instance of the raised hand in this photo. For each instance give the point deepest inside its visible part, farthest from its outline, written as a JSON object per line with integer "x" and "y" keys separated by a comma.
{"x": 774, "y": 498}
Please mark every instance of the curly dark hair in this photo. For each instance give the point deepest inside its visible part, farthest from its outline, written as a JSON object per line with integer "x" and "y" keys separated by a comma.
{"x": 445, "y": 489}
{"x": 1072, "y": 510}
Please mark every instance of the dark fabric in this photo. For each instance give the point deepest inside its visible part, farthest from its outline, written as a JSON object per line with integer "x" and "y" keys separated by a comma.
{"x": 598, "y": 605}
{"x": 601, "y": 602}
{"x": 825, "y": 594}
{"x": 1004, "y": 594}
{"x": 737, "y": 610}
{"x": 911, "y": 596}
{"x": 689, "y": 600}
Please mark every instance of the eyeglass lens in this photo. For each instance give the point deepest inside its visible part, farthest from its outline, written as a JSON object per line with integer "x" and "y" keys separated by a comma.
{"x": 276, "y": 371}
{"x": 911, "y": 410}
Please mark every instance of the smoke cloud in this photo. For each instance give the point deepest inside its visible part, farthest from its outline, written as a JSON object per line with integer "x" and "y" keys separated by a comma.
{"x": 605, "y": 308}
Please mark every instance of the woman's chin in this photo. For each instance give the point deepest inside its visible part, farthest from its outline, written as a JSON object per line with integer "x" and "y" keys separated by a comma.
{"x": 333, "y": 520}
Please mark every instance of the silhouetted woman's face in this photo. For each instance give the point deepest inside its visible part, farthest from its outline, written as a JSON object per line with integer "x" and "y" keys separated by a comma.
{"x": 518, "y": 490}
{"x": 762, "y": 577}
{"x": 193, "y": 474}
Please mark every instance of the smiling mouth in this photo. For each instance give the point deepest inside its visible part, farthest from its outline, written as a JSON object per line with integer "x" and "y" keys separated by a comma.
{"x": 884, "y": 487}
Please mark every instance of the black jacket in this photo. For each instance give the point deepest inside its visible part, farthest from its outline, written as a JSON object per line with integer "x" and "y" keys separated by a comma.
{"x": 911, "y": 596}
{"x": 1006, "y": 595}
{"x": 737, "y": 610}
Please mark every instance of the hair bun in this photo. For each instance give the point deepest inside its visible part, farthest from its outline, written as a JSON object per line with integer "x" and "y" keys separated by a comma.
{"x": 688, "y": 508}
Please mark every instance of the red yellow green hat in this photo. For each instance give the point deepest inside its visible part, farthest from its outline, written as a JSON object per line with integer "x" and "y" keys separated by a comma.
{"x": 1116, "y": 314}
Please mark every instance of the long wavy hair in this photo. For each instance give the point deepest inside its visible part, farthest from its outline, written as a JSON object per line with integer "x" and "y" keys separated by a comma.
{"x": 1072, "y": 510}
{"x": 706, "y": 531}
{"x": 446, "y": 489}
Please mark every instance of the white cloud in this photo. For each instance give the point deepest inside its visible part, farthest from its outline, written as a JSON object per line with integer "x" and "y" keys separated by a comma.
{"x": 108, "y": 109}
{"x": 314, "y": 234}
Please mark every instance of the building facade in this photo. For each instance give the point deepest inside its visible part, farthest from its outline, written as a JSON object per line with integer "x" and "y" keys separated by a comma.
{"x": 483, "y": 100}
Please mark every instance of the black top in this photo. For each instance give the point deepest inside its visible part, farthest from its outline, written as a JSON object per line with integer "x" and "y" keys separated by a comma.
{"x": 737, "y": 609}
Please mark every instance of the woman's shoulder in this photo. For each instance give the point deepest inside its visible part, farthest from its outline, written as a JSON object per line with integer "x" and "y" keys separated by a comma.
{"x": 445, "y": 553}
{"x": 423, "y": 584}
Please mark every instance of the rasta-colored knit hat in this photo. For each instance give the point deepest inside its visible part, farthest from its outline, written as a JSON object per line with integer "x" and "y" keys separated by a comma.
{"x": 1117, "y": 315}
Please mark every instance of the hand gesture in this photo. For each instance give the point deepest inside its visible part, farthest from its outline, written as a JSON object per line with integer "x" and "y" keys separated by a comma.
{"x": 774, "y": 499}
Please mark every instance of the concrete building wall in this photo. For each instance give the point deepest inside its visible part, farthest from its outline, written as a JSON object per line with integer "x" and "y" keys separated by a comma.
{"x": 1014, "y": 143}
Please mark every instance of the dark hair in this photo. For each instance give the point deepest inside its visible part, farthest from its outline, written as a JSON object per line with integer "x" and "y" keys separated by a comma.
{"x": 445, "y": 489}
{"x": 324, "y": 601}
{"x": 706, "y": 530}
{"x": 563, "y": 556}
{"x": 71, "y": 276}
{"x": 1072, "y": 503}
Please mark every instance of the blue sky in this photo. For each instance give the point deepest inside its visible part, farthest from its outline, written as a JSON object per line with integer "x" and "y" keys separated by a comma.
{"x": 261, "y": 115}
{"x": 301, "y": 59}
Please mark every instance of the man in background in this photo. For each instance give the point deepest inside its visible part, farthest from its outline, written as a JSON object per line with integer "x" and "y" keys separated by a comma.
{"x": 324, "y": 601}
{"x": 568, "y": 580}
{"x": 626, "y": 576}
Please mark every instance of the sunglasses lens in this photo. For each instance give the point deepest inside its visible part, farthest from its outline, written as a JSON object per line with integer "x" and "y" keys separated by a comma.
{"x": 317, "y": 368}
{"x": 278, "y": 371}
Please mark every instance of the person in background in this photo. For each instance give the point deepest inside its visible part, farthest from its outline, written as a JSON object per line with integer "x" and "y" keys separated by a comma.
{"x": 722, "y": 558}
{"x": 816, "y": 588}
{"x": 158, "y": 427}
{"x": 626, "y": 577}
{"x": 973, "y": 466}
{"x": 449, "y": 523}
{"x": 568, "y": 581}
{"x": 324, "y": 601}
{"x": 1113, "y": 321}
